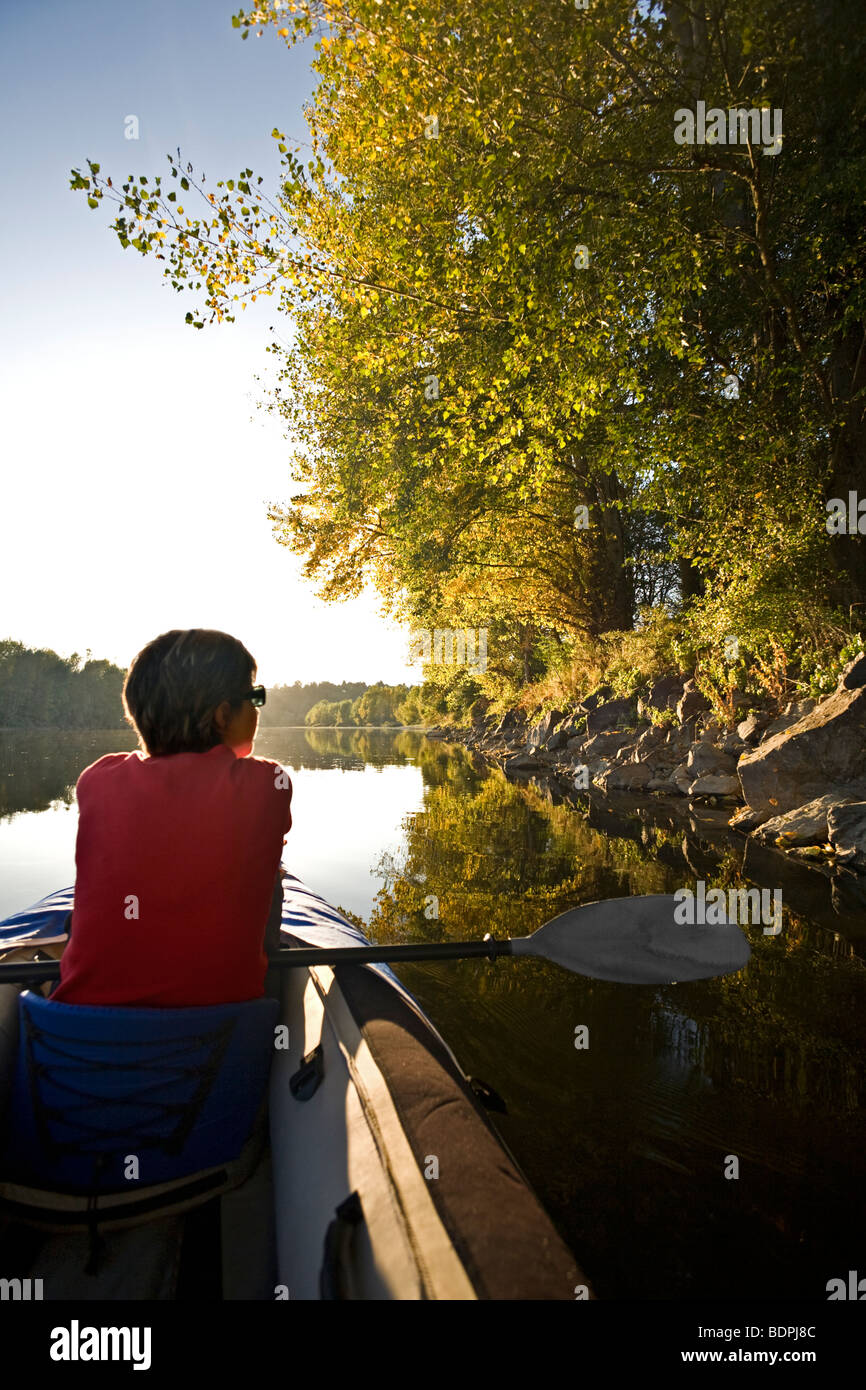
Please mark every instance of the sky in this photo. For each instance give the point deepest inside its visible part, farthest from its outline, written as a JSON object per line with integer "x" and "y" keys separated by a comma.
{"x": 137, "y": 465}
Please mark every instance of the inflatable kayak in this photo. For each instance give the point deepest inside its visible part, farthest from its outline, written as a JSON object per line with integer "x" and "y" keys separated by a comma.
{"x": 322, "y": 1143}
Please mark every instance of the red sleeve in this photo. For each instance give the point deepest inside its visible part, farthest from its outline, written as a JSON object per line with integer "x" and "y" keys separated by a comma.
{"x": 100, "y": 765}
{"x": 282, "y": 784}
{"x": 289, "y": 791}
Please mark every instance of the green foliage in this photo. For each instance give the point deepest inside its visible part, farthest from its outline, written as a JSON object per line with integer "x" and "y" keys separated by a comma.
{"x": 377, "y": 705}
{"x": 289, "y": 705}
{"x": 39, "y": 689}
{"x": 822, "y": 679}
{"x": 459, "y": 386}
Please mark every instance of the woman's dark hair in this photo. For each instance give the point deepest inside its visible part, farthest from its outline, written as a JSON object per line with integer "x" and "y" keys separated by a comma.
{"x": 175, "y": 684}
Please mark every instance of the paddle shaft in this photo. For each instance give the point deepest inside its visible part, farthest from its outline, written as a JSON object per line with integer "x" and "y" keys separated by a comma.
{"x": 37, "y": 971}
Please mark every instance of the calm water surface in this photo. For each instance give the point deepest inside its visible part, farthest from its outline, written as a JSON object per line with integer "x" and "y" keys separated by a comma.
{"x": 627, "y": 1142}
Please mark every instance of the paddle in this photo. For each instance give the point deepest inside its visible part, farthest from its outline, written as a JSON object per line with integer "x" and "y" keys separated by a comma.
{"x": 630, "y": 940}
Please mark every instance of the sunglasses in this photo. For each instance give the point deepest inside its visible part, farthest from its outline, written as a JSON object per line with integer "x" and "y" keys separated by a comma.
{"x": 256, "y": 695}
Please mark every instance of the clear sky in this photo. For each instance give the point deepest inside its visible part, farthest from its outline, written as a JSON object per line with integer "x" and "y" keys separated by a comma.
{"x": 137, "y": 468}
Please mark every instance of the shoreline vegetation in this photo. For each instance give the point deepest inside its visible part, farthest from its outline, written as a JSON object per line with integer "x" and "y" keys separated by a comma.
{"x": 789, "y": 773}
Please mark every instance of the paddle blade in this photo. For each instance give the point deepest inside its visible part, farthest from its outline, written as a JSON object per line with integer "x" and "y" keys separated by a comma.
{"x": 637, "y": 941}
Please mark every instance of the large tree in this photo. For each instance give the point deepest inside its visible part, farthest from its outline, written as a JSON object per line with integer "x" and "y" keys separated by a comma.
{"x": 531, "y": 328}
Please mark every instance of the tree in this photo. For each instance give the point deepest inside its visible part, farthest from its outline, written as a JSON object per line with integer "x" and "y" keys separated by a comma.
{"x": 528, "y": 319}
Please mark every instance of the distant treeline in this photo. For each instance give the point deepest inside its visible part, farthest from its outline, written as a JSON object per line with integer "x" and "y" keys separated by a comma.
{"x": 376, "y": 705}
{"x": 39, "y": 690}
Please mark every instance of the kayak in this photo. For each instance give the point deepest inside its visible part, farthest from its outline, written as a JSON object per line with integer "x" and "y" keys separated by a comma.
{"x": 376, "y": 1175}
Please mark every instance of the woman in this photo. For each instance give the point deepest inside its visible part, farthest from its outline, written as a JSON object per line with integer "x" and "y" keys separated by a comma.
{"x": 178, "y": 849}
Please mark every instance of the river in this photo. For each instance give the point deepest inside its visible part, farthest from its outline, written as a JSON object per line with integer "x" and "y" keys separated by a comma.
{"x": 628, "y": 1142}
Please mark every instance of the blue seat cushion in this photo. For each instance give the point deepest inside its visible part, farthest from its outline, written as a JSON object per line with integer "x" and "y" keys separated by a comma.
{"x": 176, "y": 1090}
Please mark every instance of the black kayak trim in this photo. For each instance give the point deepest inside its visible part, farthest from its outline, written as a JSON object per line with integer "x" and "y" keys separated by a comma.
{"x": 504, "y": 1238}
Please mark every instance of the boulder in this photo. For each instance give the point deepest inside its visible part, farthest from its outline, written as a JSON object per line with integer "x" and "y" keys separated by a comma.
{"x": 745, "y": 820}
{"x": 512, "y": 722}
{"x": 556, "y": 741}
{"x": 520, "y": 761}
{"x": 791, "y": 715}
{"x": 854, "y": 674}
{"x": 609, "y": 715}
{"x": 691, "y": 703}
{"x": 753, "y": 726}
{"x": 827, "y": 746}
{"x": 732, "y": 743}
{"x": 599, "y": 770}
{"x": 805, "y": 825}
{"x": 704, "y": 758}
{"x": 649, "y": 742}
{"x": 678, "y": 741}
{"x": 630, "y": 777}
{"x": 847, "y": 833}
{"x": 661, "y": 782}
{"x": 716, "y": 784}
{"x": 541, "y": 732}
{"x": 682, "y": 779}
{"x": 606, "y": 745}
{"x": 593, "y": 701}
{"x": 707, "y": 727}
{"x": 664, "y": 693}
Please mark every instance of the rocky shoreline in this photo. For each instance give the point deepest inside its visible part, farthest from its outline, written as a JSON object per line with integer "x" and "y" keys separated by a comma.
{"x": 793, "y": 779}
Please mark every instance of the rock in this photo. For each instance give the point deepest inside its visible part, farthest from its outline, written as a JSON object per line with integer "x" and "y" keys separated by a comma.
{"x": 599, "y": 771}
{"x": 606, "y": 745}
{"x": 682, "y": 779}
{"x": 745, "y": 820}
{"x": 854, "y": 674}
{"x": 649, "y": 742}
{"x": 678, "y": 741}
{"x": 597, "y": 697}
{"x": 805, "y": 825}
{"x": 541, "y": 732}
{"x": 664, "y": 693}
{"x": 661, "y": 782}
{"x": 753, "y": 726}
{"x": 827, "y": 746}
{"x": 631, "y": 777}
{"x": 572, "y": 728}
{"x": 791, "y": 715}
{"x": 715, "y": 784}
{"x": 608, "y": 715}
{"x": 521, "y": 760}
{"x": 847, "y": 833}
{"x": 732, "y": 743}
{"x": 691, "y": 703}
{"x": 576, "y": 743}
{"x": 708, "y": 727}
{"x": 704, "y": 758}
{"x": 512, "y": 722}
{"x": 556, "y": 741}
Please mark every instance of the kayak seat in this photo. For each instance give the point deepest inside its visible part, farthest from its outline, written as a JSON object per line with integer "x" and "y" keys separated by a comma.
{"x": 137, "y": 1109}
